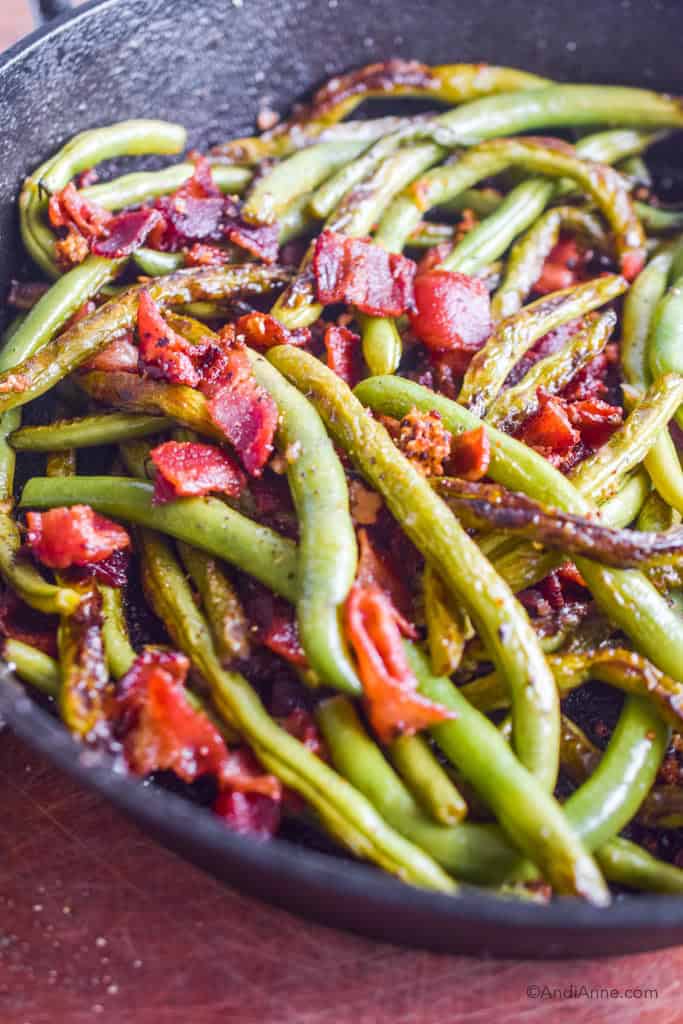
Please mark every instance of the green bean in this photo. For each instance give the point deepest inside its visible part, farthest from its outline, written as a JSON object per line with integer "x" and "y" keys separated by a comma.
{"x": 142, "y": 186}
{"x": 347, "y": 815}
{"x": 658, "y": 220}
{"x": 119, "y": 653}
{"x": 32, "y": 666}
{"x": 428, "y": 781}
{"x": 492, "y": 236}
{"x": 551, "y": 373}
{"x": 382, "y": 345}
{"x": 299, "y": 173}
{"x": 54, "y": 308}
{"x": 89, "y": 336}
{"x": 429, "y": 234}
{"x": 447, "y": 625}
{"x": 481, "y": 201}
{"x": 84, "y": 688}
{"x": 624, "y": 595}
{"x": 296, "y": 220}
{"x": 662, "y": 807}
{"x": 601, "y": 473}
{"x": 626, "y": 772}
{"x": 87, "y": 431}
{"x": 666, "y": 339}
{"x": 205, "y": 523}
{"x": 127, "y": 138}
{"x": 327, "y": 546}
{"x": 450, "y": 83}
{"x": 620, "y": 668}
{"x": 624, "y": 506}
{"x": 657, "y": 515}
{"x": 496, "y": 615}
{"x": 155, "y": 264}
{"x": 222, "y": 607}
{"x": 531, "y": 251}
{"x": 578, "y": 756}
{"x": 514, "y": 337}
{"x": 627, "y": 864}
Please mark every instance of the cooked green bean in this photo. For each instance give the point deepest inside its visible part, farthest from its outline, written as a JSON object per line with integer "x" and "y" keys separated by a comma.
{"x": 141, "y": 186}
{"x": 348, "y": 816}
{"x": 32, "y": 665}
{"x": 447, "y": 625}
{"x": 666, "y": 340}
{"x": 658, "y": 220}
{"x": 514, "y": 337}
{"x": 496, "y": 615}
{"x": 63, "y": 354}
{"x": 205, "y": 523}
{"x": 327, "y": 542}
{"x": 222, "y": 606}
{"x": 551, "y": 373}
{"x": 87, "y": 431}
{"x": 430, "y": 784}
{"x": 625, "y": 595}
{"x": 117, "y": 647}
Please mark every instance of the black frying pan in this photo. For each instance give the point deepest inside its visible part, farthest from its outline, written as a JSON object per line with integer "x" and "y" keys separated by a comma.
{"x": 208, "y": 64}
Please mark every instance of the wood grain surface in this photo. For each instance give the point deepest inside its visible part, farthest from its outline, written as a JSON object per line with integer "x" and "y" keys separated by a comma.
{"x": 98, "y": 924}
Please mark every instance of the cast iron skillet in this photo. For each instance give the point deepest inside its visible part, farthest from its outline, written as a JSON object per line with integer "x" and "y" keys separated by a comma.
{"x": 208, "y": 64}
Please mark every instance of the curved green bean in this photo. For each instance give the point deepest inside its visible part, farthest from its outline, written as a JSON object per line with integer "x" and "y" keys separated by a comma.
{"x": 328, "y": 552}
{"x": 498, "y": 618}
{"x": 87, "y": 431}
{"x": 142, "y": 186}
{"x": 205, "y": 523}
{"x": 32, "y": 666}
{"x": 428, "y": 781}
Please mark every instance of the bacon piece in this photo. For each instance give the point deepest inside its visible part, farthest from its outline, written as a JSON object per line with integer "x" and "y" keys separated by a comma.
{"x": 261, "y": 240}
{"x": 632, "y": 262}
{"x": 159, "y": 728}
{"x": 425, "y": 441}
{"x": 589, "y": 382}
{"x": 358, "y": 272}
{"x": 550, "y": 427}
{"x": 282, "y": 634}
{"x": 71, "y": 250}
{"x": 68, "y": 209}
{"x": 344, "y": 355}
{"x": 242, "y": 409}
{"x": 112, "y": 571}
{"x": 186, "y": 469}
{"x": 595, "y": 420}
{"x": 202, "y": 255}
{"x": 470, "y": 454}
{"x": 62, "y": 537}
{"x": 452, "y": 311}
{"x": 375, "y": 569}
{"x": 125, "y": 233}
{"x": 263, "y": 331}
{"x": 122, "y": 355}
{"x": 249, "y": 813}
{"x": 20, "y": 622}
{"x": 433, "y": 257}
{"x": 374, "y": 629}
{"x": 241, "y": 772}
{"x": 163, "y": 352}
{"x": 301, "y": 724}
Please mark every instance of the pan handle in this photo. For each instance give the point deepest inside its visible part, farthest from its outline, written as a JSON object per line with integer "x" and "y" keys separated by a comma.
{"x": 48, "y": 9}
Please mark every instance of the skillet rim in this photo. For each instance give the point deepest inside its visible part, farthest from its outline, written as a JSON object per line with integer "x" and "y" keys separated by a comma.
{"x": 524, "y": 929}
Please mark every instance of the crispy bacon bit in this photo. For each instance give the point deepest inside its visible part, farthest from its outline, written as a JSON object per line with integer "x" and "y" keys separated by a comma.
{"x": 344, "y": 355}
{"x": 263, "y": 331}
{"x": 14, "y": 383}
{"x": 374, "y": 628}
{"x": 376, "y": 569}
{"x": 589, "y": 382}
{"x": 595, "y": 420}
{"x": 261, "y": 240}
{"x": 550, "y": 427}
{"x": 300, "y": 724}
{"x": 433, "y": 257}
{"x": 62, "y": 537}
{"x": 249, "y": 813}
{"x": 470, "y": 454}
{"x": 365, "y": 504}
{"x": 201, "y": 255}
{"x": 159, "y": 728}
{"x": 163, "y": 352}
{"x": 242, "y": 773}
{"x": 356, "y": 271}
{"x": 112, "y": 571}
{"x": 632, "y": 262}
{"x": 186, "y": 469}
{"x": 425, "y": 441}
{"x": 19, "y": 622}
{"x": 564, "y": 267}
{"x": 242, "y": 409}
{"x": 68, "y": 209}
{"x": 282, "y": 634}
{"x": 125, "y": 233}
{"x": 71, "y": 250}
{"x": 122, "y": 355}
{"x": 453, "y": 311}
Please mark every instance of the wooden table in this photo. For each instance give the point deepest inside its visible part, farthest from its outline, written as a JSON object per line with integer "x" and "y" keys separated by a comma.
{"x": 98, "y": 924}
